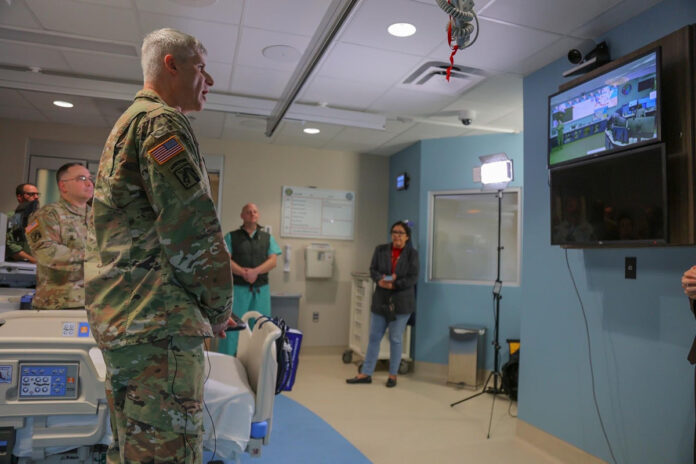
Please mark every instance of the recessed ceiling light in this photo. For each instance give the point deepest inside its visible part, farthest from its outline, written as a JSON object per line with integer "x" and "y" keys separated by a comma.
{"x": 402, "y": 29}
{"x": 63, "y": 104}
{"x": 283, "y": 53}
{"x": 311, "y": 130}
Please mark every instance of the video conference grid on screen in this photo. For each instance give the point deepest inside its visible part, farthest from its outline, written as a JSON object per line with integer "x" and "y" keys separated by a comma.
{"x": 608, "y": 113}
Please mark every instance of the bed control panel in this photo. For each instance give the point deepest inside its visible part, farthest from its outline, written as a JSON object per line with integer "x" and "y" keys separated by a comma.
{"x": 48, "y": 381}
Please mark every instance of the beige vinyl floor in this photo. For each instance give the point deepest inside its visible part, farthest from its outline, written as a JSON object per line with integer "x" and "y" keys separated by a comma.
{"x": 413, "y": 422}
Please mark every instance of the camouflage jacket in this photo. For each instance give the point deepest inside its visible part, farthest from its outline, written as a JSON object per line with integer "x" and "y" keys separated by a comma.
{"x": 56, "y": 235}
{"x": 157, "y": 263}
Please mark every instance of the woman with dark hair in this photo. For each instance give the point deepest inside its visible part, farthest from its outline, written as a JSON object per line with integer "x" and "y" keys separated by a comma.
{"x": 394, "y": 269}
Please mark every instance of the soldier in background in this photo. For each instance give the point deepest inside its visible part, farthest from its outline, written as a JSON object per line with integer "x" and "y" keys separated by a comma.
{"x": 16, "y": 246}
{"x": 158, "y": 277}
{"x": 56, "y": 235}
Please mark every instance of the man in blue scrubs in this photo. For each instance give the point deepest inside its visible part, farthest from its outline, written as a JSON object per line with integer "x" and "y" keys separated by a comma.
{"x": 254, "y": 253}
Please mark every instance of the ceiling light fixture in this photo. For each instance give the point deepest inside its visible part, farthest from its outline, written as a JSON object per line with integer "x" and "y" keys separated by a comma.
{"x": 311, "y": 130}
{"x": 336, "y": 14}
{"x": 63, "y": 104}
{"x": 402, "y": 29}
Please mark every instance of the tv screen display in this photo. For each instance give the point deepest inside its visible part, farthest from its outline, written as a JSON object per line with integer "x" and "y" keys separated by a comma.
{"x": 613, "y": 200}
{"x": 402, "y": 181}
{"x": 616, "y": 110}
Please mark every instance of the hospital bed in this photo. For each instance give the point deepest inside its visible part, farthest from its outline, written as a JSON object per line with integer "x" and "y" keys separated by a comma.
{"x": 52, "y": 401}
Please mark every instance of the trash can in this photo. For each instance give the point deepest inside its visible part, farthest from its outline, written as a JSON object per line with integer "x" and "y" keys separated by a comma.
{"x": 465, "y": 364}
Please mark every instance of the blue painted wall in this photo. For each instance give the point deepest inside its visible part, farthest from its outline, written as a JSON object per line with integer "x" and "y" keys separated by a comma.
{"x": 446, "y": 164}
{"x": 640, "y": 330}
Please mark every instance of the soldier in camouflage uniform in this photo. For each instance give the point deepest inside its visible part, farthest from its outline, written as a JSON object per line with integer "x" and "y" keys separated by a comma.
{"x": 17, "y": 247}
{"x": 56, "y": 235}
{"x": 158, "y": 276}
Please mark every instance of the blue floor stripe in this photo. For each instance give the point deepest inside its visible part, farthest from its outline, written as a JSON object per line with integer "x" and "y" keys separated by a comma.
{"x": 301, "y": 437}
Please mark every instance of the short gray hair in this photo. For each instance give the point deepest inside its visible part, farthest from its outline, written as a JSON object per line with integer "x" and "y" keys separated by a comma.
{"x": 157, "y": 44}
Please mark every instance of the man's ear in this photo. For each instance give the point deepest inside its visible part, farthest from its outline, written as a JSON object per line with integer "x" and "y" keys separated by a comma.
{"x": 170, "y": 64}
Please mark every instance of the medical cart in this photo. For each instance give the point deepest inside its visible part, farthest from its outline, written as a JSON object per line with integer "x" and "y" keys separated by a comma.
{"x": 362, "y": 288}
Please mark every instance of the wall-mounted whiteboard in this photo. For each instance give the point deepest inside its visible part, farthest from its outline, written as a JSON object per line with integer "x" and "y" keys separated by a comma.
{"x": 317, "y": 213}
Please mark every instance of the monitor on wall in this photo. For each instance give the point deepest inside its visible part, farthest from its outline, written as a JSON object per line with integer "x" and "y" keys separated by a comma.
{"x": 616, "y": 200}
{"x": 614, "y": 111}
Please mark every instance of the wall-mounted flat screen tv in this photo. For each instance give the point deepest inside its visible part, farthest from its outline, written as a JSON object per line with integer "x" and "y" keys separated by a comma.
{"x": 615, "y": 200}
{"x": 617, "y": 110}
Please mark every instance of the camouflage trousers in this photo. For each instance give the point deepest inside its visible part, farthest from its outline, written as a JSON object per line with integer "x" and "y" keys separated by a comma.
{"x": 155, "y": 395}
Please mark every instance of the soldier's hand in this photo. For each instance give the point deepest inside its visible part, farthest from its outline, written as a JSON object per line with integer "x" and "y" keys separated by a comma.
{"x": 219, "y": 329}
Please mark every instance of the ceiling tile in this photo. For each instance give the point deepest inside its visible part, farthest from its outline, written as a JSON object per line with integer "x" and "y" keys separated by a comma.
{"x": 402, "y": 101}
{"x": 109, "y": 66}
{"x": 341, "y": 93}
{"x": 11, "y": 97}
{"x": 282, "y": 15}
{"x": 44, "y": 102}
{"x": 363, "y": 137}
{"x": 23, "y": 113}
{"x": 224, "y": 11}
{"x": 369, "y": 26}
{"x": 363, "y": 64}
{"x": 17, "y": 15}
{"x": 86, "y": 19}
{"x": 253, "y": 41}
{"x": 208, "y": 124}
{"x": 555, "y": 17}
{"x": 612, "y": 17}
{"x": 259, "y": 82}
{"x": 219, "y": 39}
{"x": 32, "y": 55}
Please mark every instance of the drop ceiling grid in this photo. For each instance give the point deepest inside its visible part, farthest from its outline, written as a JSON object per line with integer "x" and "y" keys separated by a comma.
{"x": 104, "y": 65}
{"x": 26, "y": 55}
{"x": 369, "y": 26}
{"x": 254, "y": 40}
{"x": 341, "y": 93}
{"x": 219, "y": 39}
{"x": 18, "y": 15}
{"x": 259, "y": 82}
{"x": 300, "y": 17}
{"x": 555, "y": 18}
{"x": 500, "y": 45}
{"x": 222, "y": 11}
{"x": 79, "y": 18}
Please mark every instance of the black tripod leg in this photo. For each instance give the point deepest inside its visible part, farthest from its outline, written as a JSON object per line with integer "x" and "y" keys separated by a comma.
{"x": 485, "y": 386}
{"x": 490, "y": 419}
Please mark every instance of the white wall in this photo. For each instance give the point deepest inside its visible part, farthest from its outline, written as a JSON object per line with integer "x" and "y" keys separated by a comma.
{"x": 255, "y": 173}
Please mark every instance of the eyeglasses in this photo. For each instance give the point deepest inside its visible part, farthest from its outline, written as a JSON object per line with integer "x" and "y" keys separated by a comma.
{"x": 80, "y": 178}
{"x": 398, "y": 233}
{"x": 31, "y": 194}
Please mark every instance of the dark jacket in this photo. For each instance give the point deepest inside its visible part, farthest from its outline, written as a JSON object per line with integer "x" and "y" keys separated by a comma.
{"x": 403, "y": 295}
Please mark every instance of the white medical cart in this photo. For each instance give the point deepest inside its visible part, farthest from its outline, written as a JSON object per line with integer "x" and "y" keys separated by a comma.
{"x": 359, "y": 329}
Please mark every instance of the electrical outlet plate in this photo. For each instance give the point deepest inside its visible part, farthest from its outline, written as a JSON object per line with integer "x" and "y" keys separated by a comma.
{"x": 630, "y": 267}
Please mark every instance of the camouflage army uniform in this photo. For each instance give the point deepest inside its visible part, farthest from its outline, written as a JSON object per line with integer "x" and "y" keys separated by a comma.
{"x": 13, "y": 244}
{"x": 56, "y": 235}
{"x": 158, "y": 277}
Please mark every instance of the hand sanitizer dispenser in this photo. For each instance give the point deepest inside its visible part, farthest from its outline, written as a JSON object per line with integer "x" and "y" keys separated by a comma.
{"x": 319, "y": 259}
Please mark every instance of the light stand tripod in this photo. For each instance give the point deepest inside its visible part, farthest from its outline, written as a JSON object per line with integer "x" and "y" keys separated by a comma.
{"x": 495, "y": 374}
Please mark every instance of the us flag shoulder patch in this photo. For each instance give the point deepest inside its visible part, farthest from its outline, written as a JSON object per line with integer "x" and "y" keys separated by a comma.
{"x": 166, "y": 150}
{"x": 34, "y": 224}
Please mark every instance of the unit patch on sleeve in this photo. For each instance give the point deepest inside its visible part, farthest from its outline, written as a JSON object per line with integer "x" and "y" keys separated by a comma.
{"x": 166, "y": 150}
{"x": 186, "y": 175}
{"x": 34, "y": 224}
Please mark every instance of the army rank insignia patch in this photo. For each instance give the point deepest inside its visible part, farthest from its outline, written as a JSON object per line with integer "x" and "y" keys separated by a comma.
{"x": 166, "y": 150}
